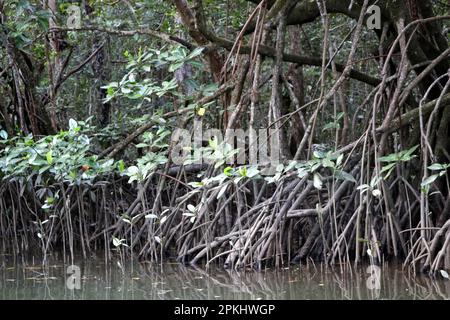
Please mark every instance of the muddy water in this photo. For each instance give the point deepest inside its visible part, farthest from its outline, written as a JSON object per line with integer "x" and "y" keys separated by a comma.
{"x": 22, "y": 278}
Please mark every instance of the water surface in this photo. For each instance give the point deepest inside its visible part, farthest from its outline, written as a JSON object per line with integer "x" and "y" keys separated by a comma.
{"x": 22, "y": 278}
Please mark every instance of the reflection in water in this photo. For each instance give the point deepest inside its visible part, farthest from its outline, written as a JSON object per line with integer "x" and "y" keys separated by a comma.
{"x": 27, "y": 279}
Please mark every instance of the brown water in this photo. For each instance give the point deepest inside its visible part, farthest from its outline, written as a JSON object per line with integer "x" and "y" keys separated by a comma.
{"x": 28, "y": 279}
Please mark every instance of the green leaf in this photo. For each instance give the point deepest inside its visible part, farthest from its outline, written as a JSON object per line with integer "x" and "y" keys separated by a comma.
{"x": 50, "y": 200}
{"x": 49, "y": 157}
{"x": 302, "y": 172}
{"x": 111, "y": 85}
{"x": 72, "y": 124}
{"x": 339, "y": 160}
{"x": 428, "y": 181}
{"x": 228, "y": 171}
{"x": 43, "y": 169}
{"x": 317, "y": 181}
{"x": 3, "y": 134}
{"x": 327, "y": 163}
{"x": 409, "y": 152}
{"x": 213, "y": 143}
{"x": 389, "y": 168}
{"x": 133, "y": 170}
{"x": 116, "y": 242}
{"x": 73, "y": 174}
{"x": 196, "y": 64}
{"x": 196, "y": 184}
{"x": 196, "y": 52}
{"x": 243, "y": 171}
{"x": 389, "y": 158}
{"x": 340, "y": 115}
{"x": 219, "y": 164}
{"x": 331, "y": 125}
{"x": 125, "y": 90}
{"x": 175, "y": 66}
{"x": 317, "y": 154}
{"x": 437, "y": 166}
{"x": 252, "y": 171}
{"x": 142, "y": 145}
{"x": 121, "y": 165}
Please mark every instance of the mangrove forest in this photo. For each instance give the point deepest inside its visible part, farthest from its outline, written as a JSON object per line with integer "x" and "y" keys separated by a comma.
{"x": 230, "y": 134}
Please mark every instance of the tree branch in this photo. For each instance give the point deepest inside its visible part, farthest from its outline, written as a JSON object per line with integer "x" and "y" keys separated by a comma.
{"x": 112, "y": 151}
{"x": 129, "y": 33}
{"x": 301, "y": 60}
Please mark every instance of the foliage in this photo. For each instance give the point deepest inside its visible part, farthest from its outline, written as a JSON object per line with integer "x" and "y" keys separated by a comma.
{"x": 63, "y": 157}
{"x": 393, "y": 159}
{"x": 441, "y": 170}
{"x": 136, "y": 85}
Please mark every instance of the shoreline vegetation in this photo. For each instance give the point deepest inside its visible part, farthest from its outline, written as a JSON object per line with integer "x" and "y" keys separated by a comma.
{"x": 363, "y": 112}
